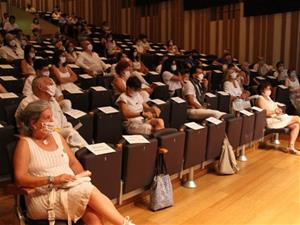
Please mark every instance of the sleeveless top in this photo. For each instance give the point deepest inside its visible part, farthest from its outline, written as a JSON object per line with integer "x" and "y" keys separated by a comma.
{"x": 48, "y": 163}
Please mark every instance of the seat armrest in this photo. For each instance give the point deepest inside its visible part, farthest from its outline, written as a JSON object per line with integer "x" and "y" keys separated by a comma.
{"x": 15, "y": 190}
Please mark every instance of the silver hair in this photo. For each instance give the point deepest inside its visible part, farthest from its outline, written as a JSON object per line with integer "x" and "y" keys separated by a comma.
{"x": 30, "y": 114}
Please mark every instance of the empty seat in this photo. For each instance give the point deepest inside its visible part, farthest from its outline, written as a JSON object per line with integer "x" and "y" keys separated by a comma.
{"x": 233, "y": 130}
{"x": 211, "y": 101}
{"x": 79, "y": 99}
{"x": 160, "y": 91}
{"x": 86, "y": 81}
{"x": 7, "y": 99}
{"x": 247, "y": 128}
{"x": 7, "y": 136}
{"x": 223, "y": 101}
{"x": 178, "y": 112}
{"x": 165, "y": 110}
{"x": 260, "y": 123}
{"x": 100, "y": 96}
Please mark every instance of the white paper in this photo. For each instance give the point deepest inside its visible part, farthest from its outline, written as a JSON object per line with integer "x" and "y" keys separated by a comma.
{"x": 157, "y": 101}
{"x": 127, "y": 39}
{"x": 7, "y": 78}
{"x": 49, "y": 52}
{"x": 78, "y": 48}
{"x": 47, "y": 42}
{"x": 6, "y": 66}
{"x": 73, "y": 66}
{"x": 260, "y": 78}
{"x": 85, "y": 76}
{"x": 135, "y": 139}
{"x": 51, "y": 46}
{"x": 100, "y": 149}
{"x": 272, "y": 77}
{"x": 153, "y": 73}
{"x": 223, "y": 93}
{"x": 159, "y": 83}
{"x": 39, "y": 57}
{"x": 211, "y": 95}
{"x": 218, "y": 71}
{"x": 103, "y": 58}
{"x": 1, "y": 126}
{"x": 254, "y": 71}
{"x": 124, "y": 46}
{"x": 36, "y": 46}
{"x": 282, "y": 86}
{"x": 194, "y": 126}
{"x": 246, "y": 112}
{"x": 163, "y": 50}
{"x": 8, "y": 95}
{"x": 108, "y": 109}
{"x": 155, "y": 46}
{"x": 32, "y": 42}
{"x": 178, "y": 100}
{"x": 213, "y": 120}
{"x": 75, "y": 113}
{"x": 257, "y": 109}
{"x": 205, "y": 65}
{"x": 171, "y": 54}
{"x": 99, "y": 88}
{"x": 127, "y": 49}
{"x": 96, "y": 41}
{"x": 203, "y": 59}
{"x": 159, "y": 54}
{"x": 203, "y": 55}
{"x": 74, "y": 90}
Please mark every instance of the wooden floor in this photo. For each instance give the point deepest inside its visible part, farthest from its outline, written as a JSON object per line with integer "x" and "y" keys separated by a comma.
{"x": 265, "y": 191}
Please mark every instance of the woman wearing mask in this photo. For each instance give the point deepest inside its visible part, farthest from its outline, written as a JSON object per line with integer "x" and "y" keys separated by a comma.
{"x": 71, "y": 54}
{"x": 36, "y": 24}
{"x": 276, "y": 118}
{"x": 292, "y": 83}
{"x": 63, "y": 74}
{"x": 11, "y": 49}
{"x": 123, "y": 72}
{"x": 111, "y": 46}
{"x": 171, "y": 76}
{"x": 171, "y": 48}
{"x": 137, "y": 63}
{"x": 239, "y": 96}
{"x": 27, "y": 63}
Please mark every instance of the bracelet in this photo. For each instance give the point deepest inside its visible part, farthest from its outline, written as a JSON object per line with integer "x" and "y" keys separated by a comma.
{"x": 50, "y": 181}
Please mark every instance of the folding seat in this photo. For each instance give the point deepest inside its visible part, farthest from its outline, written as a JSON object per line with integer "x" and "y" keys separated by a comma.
{"x": 107, "y": 125}
{"x": 100, "y": 96}
{"x": 272, "y": 80}
{"x": 153, "y": 76}
{"x": 7, "y": 135}
{"x": 260, "y": 123}
{"x": 164, "y": 108}
{"x": 211, "y": 101}
{"x": 84, "y": 122}
{"x": 174, "y": 141}
{"x": 150, "y": 60}
{"x": 223, "y": 101}
{"x": 12, "y": 84}
{"x": 283, "y": 96}
{"x": 217, "y": 77}
{"x": 8, "y": 70}
{"x": 105, "y": 168}
{"x": 7, "y": 99}
{"x": 138, "y": 165}
{"x": 86, "y": 81}
{"x": 76, "y": 69}
{"x": 79, "y": 99}
{"x": 161, "y": 91}
{"x": 105, "y": 81}
{"x": 178, "y": 112}
{"x": 215, "y": 137}
{"x": 233, "y": 130}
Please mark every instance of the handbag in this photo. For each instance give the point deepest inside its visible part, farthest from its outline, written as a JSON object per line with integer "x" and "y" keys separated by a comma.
{"x": 161, "y": 191}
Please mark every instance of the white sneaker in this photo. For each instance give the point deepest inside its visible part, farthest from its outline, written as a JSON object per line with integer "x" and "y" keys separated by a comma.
{"x": 127, "y": 221}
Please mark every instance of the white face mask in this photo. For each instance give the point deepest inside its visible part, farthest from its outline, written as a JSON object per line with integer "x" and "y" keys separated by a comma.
{"x": 90, "y": 47}
{"x": 62, "y": 59}
{"x": 173, "y": 67}
{"x": 127, "y": 74}
{"x": 46, "y": 73}
{"x": 267, "y": 93}
{"x": 48, "y": 127}
{"x": 51, "y": 90}
{"x": 31, "y": 54}
{"x": 233, "y": 75}
{"x": 71, "y": 49}
{"x": 200, "y": 77}
{"x": 13, "y": 43}
{"x": 135, "y": 54}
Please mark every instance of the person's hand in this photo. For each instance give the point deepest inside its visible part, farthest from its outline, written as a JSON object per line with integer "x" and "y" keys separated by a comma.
{"x": 155, "y": 111}
{"x": 147, "y": 115}
{"x": 278, "y": 110}
{"x": 63, "y": 178}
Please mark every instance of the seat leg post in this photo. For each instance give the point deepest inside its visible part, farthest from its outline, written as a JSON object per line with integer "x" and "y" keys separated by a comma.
{"x": 190, "y": 183}
{"x": 243, "y": 156}
{"x": 121, "y": 193}
{"x": 276, "y": 140}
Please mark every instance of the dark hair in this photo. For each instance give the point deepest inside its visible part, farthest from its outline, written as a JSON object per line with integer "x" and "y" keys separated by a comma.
{"x": 39, "y": 64}
{"x": 134, "y": 83}
{"x": 279, "y": 63}
{"x": 27, "y": 50}
{"x": 194, "y": 69}
{"x": 12, "y": 18}
{"x": 131, "y": 55}
{"x": 166, "y": 66}
{"x": 262, "y": 87}
{"x": 56, "y": 57}
{"x": 121, "y": 66}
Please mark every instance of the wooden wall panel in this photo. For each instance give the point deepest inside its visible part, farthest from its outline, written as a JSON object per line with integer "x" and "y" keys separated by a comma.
{"x": 271, "y": 36}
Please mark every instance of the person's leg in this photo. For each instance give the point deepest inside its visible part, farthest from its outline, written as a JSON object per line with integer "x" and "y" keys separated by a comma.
{"x": 91, "y": 218}
{"x": 103, "y": 207}
{"x": 157, "y": 124}
{"x": 293, "y": 135}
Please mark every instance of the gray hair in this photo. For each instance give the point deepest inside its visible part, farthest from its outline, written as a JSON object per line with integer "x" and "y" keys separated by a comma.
{"x": 30, "y": 114}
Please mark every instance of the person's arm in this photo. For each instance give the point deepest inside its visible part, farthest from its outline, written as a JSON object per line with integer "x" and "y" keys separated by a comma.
{"x": 261, "y": 103}
{"x": 73, "y": 76}
{"x": 23, "y": 178}
{"x": 73, "y": 162}
{"x": 25, "y": 70}
{"x": 176, "y": 78}
{"x": 144, "y": 69}
{"x": 127, "y": 114}
{"x": 192, "y": 103}
{"x": 119, "y": 85}
{"x": 80, "y": 62}
{"x": 2, "y": 89}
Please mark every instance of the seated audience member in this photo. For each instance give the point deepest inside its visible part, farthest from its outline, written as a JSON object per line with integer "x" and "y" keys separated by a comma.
{"x": 262, "y": 68}
{"x": 36, "y": 24}
{"x": 44, "y": 88}
{"x": 171, "y": 76}
{"x": 239, "y": 96}
{"x": 56, "y": 14}
{"x": 30, "y": 9}
{"x": 139, "y": 117}
{"x": 59, "y": 45}
{"x": 43, "y": 161}
{"x": 292, "y": 83}
{"x": 27, "y": 63}
{"x": 139, "y": 47}
{"x": 281, "y": 73}
{"x": 36, "y": 35}
{"x": 111, "y": 46}
{"x": 172, "y": 48}
{"x": 90, "y": 61}
{"x": 63, "y": 74}
{"x": 120, "y": 57}
{"x": 11, "y": 49}
{"x": 71, "y": 54}
{"x": 5, "y": 18}
{"x": 123, "y": 72}
{"x": 225, "y": 60}
{"x": 276, "y": 118}
{"x": 137, "y": 63}
{"x": 245, "y": 75}
{"x": 145, "y": 42}
{"x": 11, "y": 25}
{"x": 62, "y": 22}
{"x": 194, "y": 93}
{"x": 105, "y": 28}
{"x": 161, "y": 62}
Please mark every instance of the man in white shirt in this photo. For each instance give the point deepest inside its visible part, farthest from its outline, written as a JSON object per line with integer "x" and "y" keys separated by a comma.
{"x": 11, "y": 24}
{"x": 11, "y": 50}
{"x": 44, "y": 89}
{"x": 90, "y": 61}
{"x": 170, "y": 76}
{"x": 193, "y": 92}
{"x": 261, "y": 67}
{"x": 281, "y": 72}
